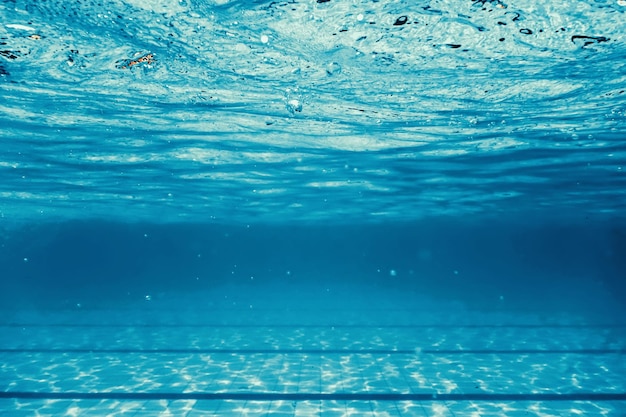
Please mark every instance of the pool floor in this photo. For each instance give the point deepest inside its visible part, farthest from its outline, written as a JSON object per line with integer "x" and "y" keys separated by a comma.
{"x": 319, "y": 359}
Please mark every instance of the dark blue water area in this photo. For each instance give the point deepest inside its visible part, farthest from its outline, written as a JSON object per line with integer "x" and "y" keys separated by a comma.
{"x": 528, "y": 267}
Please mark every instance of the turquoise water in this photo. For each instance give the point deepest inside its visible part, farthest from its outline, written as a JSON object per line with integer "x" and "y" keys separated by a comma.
{"x": 306, "y": 112}
{"x": 312, "y": 208}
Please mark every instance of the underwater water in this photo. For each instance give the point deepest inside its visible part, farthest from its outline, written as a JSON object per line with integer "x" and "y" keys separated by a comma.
{"x": 305, "y": 111}
{"x": 312, "y": 208}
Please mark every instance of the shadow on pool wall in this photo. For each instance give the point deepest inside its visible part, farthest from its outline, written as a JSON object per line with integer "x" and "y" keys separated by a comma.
{"x": 489, "y": 265}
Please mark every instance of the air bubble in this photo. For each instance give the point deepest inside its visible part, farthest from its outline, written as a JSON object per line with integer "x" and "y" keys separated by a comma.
{"x": 294, "y": 105}
{"x": 400, "y": 21}
{"x": 333, "y": 68}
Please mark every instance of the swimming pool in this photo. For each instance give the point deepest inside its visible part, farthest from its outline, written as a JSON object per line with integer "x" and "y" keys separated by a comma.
{"x": 291, "y": 330}
{"x": 334, "y": 359}
{"x": 328, "y": 208}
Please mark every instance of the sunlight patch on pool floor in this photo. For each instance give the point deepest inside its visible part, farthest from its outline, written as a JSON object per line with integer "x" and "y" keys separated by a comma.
{"x": 114, "y": 363}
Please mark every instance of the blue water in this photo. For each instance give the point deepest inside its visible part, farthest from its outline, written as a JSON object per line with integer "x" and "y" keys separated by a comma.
{"x": 337, "y": 138}
{"x": 305, "y": 165}
{"x": 307, "y": 112}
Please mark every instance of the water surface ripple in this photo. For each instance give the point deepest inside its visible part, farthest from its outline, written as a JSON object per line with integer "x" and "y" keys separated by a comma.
{"x": 306, "y": 110}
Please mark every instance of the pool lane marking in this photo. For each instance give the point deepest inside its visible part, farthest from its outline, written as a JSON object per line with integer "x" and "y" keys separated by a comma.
{"x": 327, "y": 351}
{"x": 341, "y": 396}
{"x": 321, "y": 326}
